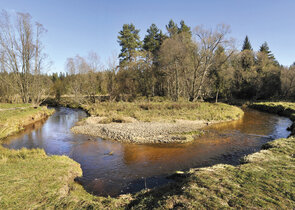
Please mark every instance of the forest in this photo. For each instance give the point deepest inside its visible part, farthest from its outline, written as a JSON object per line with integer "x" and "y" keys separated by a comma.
{"x": 191, "y": 63}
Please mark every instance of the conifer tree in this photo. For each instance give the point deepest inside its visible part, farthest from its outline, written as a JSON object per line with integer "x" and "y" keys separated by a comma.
{"x": 184, "y": 28}
{"x": 265, "y": 49}
{"x": 130, "y": 42}
{"x": 247, "y": 45}
{"x": 172, "y": 28}
{"x": 153, "y": 40}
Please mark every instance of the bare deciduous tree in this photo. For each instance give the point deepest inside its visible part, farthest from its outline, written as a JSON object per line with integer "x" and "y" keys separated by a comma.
{"x": 22, "y": 57}
{"x": 187, "y": 62}
{"x": 207, "y": 41}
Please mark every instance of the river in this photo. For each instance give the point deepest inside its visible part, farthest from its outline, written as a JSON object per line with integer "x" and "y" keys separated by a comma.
{"x": 113, "y": 168}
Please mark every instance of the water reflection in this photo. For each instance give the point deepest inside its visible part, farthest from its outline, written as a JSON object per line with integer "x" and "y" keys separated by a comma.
{"x": 111, "y": 168}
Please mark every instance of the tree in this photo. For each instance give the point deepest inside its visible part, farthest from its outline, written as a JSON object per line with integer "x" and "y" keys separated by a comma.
{"x": 22, "y": 57}
{"x": 152, "y": 41}
{"x": 58, "y": 88}
{"x": 184, "y": 29}
{"x": 265, "y": 49}
{"x": 247, "y": 60}
{"x": 247, "y": 45}
{"x": 207, "y": 42}
{"x": 130, "y": 42}
{"x": 131, "y": 56}
{"x": 173, "y": 61}
{"x": 85, "y": 78}
{"x": 187, "y": 63}
{"x": 288, "y": 82}
{"x": 221, "y": 74}
{"x": 172, "y": 28}
{"x": 153, "y": 74}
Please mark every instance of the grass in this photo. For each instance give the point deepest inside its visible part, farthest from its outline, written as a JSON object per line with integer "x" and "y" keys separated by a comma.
{"x": 166, "y": 111}
{"x": 9, "y": 106}
{"x": 14, "y": 120}
{"x": 29, "y": 179}
{"x": 282, "y": 108}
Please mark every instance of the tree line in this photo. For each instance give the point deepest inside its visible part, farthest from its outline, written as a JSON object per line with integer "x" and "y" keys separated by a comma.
{"x": 192, "y": 64}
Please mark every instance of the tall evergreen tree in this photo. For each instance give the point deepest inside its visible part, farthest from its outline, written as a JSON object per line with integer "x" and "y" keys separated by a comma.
{"x": 247, "y": 45}
{"x": 184, "y": 28}
{"x": 172, "y": 28}
{"x": 152, "y": 43}
{"x": 153, "y": 40}
{"x": 130, "y": 42}
{"x": 265, "y": 49}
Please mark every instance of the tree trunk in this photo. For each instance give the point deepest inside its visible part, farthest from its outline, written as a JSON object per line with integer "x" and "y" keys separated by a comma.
{"x": 216, "y": 98}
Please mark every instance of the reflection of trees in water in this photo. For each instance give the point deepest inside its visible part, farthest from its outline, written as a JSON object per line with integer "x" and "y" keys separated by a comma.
{"x": 253, "y": 122}
{"x": 30, "y": 137}
{"x": 135, "y": 154}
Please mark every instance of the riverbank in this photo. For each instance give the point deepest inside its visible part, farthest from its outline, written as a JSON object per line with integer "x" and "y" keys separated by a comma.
{"x": 14, "y": 117}
{"x": 264, "y": 179}
{"x": 153, "y": 122}
{"x": 31, "y": 179}
{"x": 286, "y": 109}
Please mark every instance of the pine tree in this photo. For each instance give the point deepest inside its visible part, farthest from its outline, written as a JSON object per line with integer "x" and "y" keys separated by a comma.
{"x": 172, "y": 28}
{"x": 247, "y": 45}
{"x": 153, "y": 40}
{"x": 184, "y": 28}
{"x": 130, "y": 42}
{"x": 265, "y": 49}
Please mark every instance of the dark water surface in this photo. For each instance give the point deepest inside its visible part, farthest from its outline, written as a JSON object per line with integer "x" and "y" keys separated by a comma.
{"x": 131, "y": 167}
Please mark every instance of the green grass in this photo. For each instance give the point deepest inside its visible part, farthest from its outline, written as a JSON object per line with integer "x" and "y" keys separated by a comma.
{"x": 164, "y": 111}
{"x": 13, "y": 121}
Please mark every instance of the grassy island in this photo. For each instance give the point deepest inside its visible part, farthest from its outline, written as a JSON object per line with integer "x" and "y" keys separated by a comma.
{"x": 153, "y": 122}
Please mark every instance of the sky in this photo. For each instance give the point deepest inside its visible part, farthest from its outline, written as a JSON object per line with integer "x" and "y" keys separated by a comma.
{"x": 80, "y": 26}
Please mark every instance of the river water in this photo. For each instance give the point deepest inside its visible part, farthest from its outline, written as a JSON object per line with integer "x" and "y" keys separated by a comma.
{"x": 112, "y": 168}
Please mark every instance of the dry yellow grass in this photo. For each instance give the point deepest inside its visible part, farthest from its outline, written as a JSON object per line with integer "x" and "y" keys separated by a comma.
{"x": 166, "y": 111}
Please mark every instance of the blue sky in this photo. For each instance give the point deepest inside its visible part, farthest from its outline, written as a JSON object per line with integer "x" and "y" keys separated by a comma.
{"x": 79, "y": 26}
